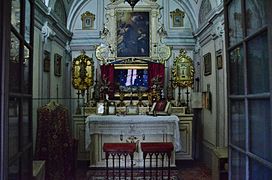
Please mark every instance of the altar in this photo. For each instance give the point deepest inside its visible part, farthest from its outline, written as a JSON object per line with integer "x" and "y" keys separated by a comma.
{"x": 130, "y": 128}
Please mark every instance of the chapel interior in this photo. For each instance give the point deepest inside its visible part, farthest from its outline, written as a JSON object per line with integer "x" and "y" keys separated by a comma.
{"x": 152, "y": 85}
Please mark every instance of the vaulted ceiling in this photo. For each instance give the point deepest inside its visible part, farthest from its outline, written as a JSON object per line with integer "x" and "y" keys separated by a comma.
{"x": 191, "y": 7}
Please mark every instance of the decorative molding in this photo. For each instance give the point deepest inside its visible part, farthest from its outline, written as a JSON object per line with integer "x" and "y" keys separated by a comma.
{"x": 47, "y": 32}
{"x": 197, "y": 46}
{"x": 68, "y": 47}
{"x": 218, "y": 30}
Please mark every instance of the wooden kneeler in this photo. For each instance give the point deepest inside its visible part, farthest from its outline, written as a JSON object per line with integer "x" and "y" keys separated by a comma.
{"x": 119, "y": 149}
{"x": 157, "y": 148}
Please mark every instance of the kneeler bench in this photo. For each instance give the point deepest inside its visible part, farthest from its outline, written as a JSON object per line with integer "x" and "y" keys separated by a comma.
{"x": 157, "y": 148}
{"x": 119, "y": 149}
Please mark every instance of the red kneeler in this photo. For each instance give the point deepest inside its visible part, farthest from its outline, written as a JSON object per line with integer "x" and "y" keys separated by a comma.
{"x": 119, "y": 149}
{"x": 157, "y": 148}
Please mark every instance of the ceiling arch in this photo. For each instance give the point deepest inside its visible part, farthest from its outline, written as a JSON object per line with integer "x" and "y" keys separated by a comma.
{"x": 74, "y": 9}
{"x": 189, "y": 10}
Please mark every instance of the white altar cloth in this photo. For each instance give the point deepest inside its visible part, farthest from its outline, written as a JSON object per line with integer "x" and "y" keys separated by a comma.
{"x": 135, "y": 125}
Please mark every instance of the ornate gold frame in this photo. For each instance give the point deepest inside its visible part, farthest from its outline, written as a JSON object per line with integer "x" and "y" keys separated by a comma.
{"x": 183, "y": 70}
{"x": 107, "y": 51}
{"x": 177, "y": 18}
{"x": 87, "y": 19}
{"x": 82, "y": 72}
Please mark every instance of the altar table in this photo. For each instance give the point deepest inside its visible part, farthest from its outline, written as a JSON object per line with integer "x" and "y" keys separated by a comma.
{"x": 130, "y": 128}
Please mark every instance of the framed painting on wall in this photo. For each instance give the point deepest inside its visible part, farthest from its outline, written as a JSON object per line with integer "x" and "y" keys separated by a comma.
{"x": 46, "y": 61}
{"x": 177, "y": 18}
{"x": 219, "y": 61}
{"x": 207, "y": 64}
{"x": 132, "y": 34}
{"x": 87, "y": 19}
{"x": 57, "y": 64}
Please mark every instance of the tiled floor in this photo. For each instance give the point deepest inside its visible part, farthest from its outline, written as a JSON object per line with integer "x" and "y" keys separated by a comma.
{"x": 187, "y": 170}
{"x": 192, "y": 170}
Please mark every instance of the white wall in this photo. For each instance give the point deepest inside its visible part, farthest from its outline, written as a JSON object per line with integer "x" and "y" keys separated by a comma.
{"x": 213, "y": 122}
{"x": 46, "y": 85}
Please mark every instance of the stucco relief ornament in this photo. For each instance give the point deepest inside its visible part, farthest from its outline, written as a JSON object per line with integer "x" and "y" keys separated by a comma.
{"x": 102, "y": 52}
{"x": 164, "y": 53}
{"x": 47, "y": 31}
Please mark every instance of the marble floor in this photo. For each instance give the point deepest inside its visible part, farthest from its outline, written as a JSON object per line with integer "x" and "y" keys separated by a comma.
{"x": 187, "y": 170}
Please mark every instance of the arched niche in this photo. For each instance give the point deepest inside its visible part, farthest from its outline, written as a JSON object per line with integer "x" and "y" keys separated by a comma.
{"x": 205, "y": 9}
{"x": 59, "y": 10}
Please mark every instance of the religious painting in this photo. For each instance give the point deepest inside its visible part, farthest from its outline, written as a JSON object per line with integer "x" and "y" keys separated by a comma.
{"x": 132, "y": 34}
{"x": 219, "y": 61}
{"x": 207, "y": 100}
{"x": 87, "y": 19}
{"x": 177, "y": 18}
{"x": 207, "y": 64}
{"x": 57, "y": 65}
{"x": 46, "y": 61}
{"x": 183, "y": 70}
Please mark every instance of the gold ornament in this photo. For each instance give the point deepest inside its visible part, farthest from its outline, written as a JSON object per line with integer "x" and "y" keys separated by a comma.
{"x": 82, "y": 72}
{"x": 183, "y": 70}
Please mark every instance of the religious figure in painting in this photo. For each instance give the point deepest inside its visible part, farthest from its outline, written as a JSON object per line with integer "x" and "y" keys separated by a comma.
{"x": 133, "y": 34}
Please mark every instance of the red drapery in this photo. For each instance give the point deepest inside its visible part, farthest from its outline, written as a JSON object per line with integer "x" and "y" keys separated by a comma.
{"x": 55, "y": 144}
{"x": 155, "y": 70}
{"x": 107, "y": 74}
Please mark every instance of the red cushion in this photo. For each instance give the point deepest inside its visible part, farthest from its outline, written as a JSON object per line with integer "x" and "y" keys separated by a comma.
{"x": 119, "y": 147}
{"x": 159, "y": 147}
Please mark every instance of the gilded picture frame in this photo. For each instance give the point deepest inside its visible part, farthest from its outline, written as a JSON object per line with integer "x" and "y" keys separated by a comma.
{"x": 183, "y": 70}
{"x": 82, "y": 72}
{"x": 87, "y": 19}
{"x": 177, "y": 18}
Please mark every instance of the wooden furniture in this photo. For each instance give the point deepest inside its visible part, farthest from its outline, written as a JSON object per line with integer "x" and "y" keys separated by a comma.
{"x": 157, "y": 148}
{"x": 117, "y": 150}
{"x": 130, "y": 128}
